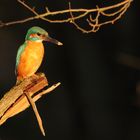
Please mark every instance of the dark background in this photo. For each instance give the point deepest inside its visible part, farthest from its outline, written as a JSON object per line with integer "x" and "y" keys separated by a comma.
{"x": 99, "y": 72}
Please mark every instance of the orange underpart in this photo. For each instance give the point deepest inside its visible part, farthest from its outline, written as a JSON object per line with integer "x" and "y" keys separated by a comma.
{"x": 30, "y": 59}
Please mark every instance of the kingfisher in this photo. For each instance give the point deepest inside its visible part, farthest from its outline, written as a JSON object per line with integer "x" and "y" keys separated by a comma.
{"x": 30, "y": 53}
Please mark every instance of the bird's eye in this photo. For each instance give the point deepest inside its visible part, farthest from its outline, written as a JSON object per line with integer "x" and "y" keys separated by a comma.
{"x": 38, "y": 34}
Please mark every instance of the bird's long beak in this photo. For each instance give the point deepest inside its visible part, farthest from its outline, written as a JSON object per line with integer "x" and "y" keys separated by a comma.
{"x": 52, "y": 40}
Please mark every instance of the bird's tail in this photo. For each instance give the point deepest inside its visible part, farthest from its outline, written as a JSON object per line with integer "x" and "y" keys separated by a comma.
{"x": 19, "y": 80}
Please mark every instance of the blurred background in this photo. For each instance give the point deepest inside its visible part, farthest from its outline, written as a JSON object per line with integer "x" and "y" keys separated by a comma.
{"x": 99, "y": 96}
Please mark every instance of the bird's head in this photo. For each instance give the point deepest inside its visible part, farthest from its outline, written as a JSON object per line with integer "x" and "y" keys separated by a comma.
{"x": 38, "y": 34}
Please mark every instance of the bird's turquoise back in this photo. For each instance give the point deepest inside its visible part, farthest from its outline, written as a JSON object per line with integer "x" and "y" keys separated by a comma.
{"x": 20, "y": 51}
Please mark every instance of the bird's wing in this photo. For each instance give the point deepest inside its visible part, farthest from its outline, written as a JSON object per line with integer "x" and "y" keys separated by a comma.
{"x": 20, "y": 50}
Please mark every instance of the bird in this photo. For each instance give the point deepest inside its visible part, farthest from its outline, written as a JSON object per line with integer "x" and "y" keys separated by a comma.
{"x": 30, "y": 53}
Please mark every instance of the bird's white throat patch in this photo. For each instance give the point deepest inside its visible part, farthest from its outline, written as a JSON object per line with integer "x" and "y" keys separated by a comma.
{"x": 38, "y": 40}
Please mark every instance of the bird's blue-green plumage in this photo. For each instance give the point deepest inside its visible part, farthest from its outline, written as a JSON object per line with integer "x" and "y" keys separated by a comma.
{"x": 20, "y": 51}
{"x": 35, "y": 30}
{"x": 32, "y": 30}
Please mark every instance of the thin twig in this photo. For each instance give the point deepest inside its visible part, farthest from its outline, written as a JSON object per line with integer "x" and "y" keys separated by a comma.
{"x": 39, "y": 120}
{"x": 76, "y": 14}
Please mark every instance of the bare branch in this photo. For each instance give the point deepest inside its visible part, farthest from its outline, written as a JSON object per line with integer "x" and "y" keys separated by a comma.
{"x": 39, "y": 120}
{"x": 21, "y": 96}
{"x": 112, "y": 14}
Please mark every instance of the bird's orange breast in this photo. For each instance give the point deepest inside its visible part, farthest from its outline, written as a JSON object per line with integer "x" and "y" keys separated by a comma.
{"x": 30, "y": 59}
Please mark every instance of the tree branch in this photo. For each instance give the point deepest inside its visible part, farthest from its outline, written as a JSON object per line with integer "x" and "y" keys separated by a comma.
{"x": 115, "y": 13}
{"x": 15, "y": 100}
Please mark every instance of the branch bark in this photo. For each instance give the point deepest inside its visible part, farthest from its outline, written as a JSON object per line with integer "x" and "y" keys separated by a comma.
{"x": 15, "y": 101}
